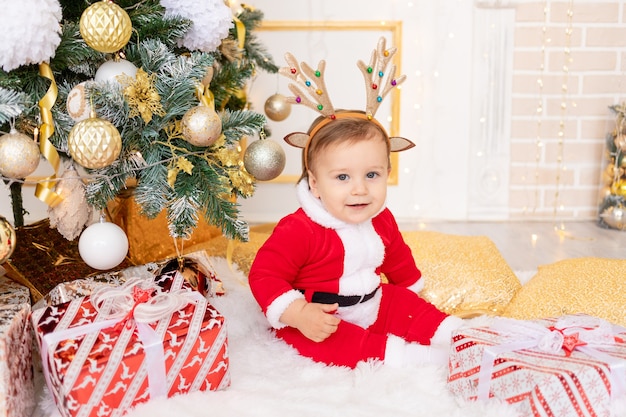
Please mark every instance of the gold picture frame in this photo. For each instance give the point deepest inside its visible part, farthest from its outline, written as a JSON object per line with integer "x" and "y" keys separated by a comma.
{"x": 392, "y": 30}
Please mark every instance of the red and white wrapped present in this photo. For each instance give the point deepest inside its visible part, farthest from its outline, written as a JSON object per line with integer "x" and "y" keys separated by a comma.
{"x": 16, "y": 370}
{"x": 121, "y": 346}
{"x": 571, "y": 366}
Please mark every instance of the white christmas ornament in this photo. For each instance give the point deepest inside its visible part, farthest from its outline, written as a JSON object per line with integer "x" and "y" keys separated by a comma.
{"x": 112, "y": 68}
{"x": 103, "y": 245}
{"x": 77, "y": 104}
{"x": 211, "y": 21}
{"x": 30, "y": 32}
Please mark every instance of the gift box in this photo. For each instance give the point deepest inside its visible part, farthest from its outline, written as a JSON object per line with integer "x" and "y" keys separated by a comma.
{"x": 16, "y": 372}
{"x": 121, "y": 346}
{"x": 568, "y": 366}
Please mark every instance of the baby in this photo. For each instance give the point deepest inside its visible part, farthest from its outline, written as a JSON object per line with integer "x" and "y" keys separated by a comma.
{"x": 318, "y": 276}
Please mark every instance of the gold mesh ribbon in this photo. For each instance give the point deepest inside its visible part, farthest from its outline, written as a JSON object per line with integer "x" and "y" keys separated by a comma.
{"x": 45, "y": 189}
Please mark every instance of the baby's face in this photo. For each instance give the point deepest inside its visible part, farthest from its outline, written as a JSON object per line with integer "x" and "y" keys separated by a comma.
{"x": 350, "y": 179}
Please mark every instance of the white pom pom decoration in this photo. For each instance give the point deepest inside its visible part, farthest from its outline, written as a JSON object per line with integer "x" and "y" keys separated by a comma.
{"x": 211, "y": 19}
{"x": 103, "y": 245}
{"x": 30, "y": 32}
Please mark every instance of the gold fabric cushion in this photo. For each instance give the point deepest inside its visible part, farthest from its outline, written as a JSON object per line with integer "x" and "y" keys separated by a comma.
{"x": 464, "y": 275}
{"x": 592, "y": 286}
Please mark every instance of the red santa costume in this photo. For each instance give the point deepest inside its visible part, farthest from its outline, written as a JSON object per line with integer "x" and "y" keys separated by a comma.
{"x": 315, "y": 256}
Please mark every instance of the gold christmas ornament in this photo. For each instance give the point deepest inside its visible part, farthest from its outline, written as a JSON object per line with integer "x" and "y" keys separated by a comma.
{"x": 201, "y": 126}
{"x": 7, "y": 240}
{"x": 105, "y": 26}
{"x": 277, "y": 108}
{"x": 19, "y": 155}
{"x": 77, "y": 103}
{"x": 608, "y": 175}
{"x": 619, "y": 188}
{"x": 94, "y": 143}
{"x": 264, "y": 159}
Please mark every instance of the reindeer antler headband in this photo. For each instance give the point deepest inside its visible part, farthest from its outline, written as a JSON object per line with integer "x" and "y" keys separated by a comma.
{"x": 310, "y": 90}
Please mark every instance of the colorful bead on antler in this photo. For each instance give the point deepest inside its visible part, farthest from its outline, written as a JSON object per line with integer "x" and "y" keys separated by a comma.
{"x": 311, "y": 88}
{"x": 378, "y": 81}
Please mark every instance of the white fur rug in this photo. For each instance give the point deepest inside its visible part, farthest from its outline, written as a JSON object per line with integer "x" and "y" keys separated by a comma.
{"x": 270, "y": 379}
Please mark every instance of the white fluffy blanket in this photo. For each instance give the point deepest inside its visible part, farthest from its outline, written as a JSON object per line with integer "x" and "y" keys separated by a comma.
{"x": 270, "y": 379}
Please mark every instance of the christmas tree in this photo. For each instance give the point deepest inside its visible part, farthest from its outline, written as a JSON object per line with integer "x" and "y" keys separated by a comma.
{"x": 143, "y": 94}
{"x": 612, "y": 209}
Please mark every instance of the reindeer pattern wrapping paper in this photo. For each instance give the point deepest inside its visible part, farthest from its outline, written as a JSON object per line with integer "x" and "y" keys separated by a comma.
{"x": 95, "y": 369}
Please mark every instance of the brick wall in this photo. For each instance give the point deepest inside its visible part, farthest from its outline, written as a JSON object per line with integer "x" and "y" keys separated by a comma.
{"x": 569, "y": 67}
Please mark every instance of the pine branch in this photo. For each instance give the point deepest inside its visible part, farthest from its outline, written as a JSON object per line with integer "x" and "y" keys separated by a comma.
{"x": 73, "y": 60}
{"x": 12, "y": 104}
{"x": 241, "y": 123}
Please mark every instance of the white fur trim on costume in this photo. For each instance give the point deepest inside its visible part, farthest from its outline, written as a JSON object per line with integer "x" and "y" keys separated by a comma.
{"x": 399, "y": 353}
{"x": 362, "y": 314}
{"x": 313, "y": 207}
{"x": 279, "y": 305}
{"x": 443, "y": 334}
{"x": 363, "y": 253}
{"x": 395, "y": 351}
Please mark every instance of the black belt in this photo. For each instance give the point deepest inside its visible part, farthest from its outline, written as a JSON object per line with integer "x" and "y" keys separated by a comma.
{"x": 342, "y": 300}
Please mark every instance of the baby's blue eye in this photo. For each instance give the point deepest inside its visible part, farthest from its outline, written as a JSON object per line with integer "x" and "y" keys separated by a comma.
{"x": 342, "y": 177}
{"x": 372, "y": 174}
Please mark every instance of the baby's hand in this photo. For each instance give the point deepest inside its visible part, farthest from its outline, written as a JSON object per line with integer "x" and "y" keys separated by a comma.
{"x": 315, "y": 321}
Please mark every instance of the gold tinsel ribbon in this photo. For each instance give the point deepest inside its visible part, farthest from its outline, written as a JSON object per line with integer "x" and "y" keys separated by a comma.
{"x": 45, "y": 189}
{"x": 205, "y": 96}
{"x": 241, "y": 32}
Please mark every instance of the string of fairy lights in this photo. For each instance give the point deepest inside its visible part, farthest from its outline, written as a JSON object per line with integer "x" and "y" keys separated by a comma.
{"x": 567, "y": 60}
{"x": 540, "y": 105}
{"x": 540, "y": 145}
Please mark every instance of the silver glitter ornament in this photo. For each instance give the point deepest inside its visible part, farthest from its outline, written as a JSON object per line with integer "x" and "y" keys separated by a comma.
{"x": 264, "y": 159}
{"x": 615, "y": 217}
